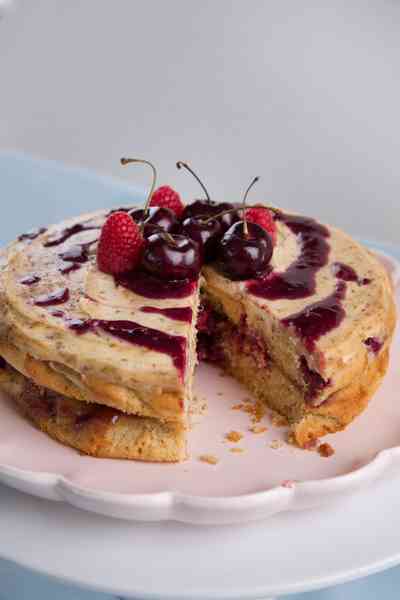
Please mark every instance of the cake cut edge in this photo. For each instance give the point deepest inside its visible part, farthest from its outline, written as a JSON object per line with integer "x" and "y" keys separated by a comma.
{"x": 95, "y": 430}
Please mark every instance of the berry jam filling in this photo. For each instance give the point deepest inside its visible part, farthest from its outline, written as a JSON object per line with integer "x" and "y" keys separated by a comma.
{"x": 139, "y": 335}
{"x": 58, "y": 297}
{"x": 31, "y": 235}
{"x": 374, "y": 344}
{"x": 298, "y": 281}
{"x": 212, "y": 326}
{"x": 70, "y": 268}
{"x": 78, "y": 253}
{"x": 3, "y": 364}
{"x": 183, "y": 313}
{"x": 69, "y": 232}
{"x": 57, "y": 313}
{"x": 319, "y": 318}
{"x": 347, "y": 273}
{"x": 148, "y": 286}
{"x": 30, "y": 280}
{"x": 315, "y": 383}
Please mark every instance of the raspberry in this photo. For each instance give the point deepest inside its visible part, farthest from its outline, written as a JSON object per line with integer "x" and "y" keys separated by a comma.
{"x": 120, "y": 245}
{"x": 166, "y": 197}
{"x": 264, "y": 218}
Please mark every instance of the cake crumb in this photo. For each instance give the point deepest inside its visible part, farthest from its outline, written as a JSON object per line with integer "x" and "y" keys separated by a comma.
{"x": 234, "y": 436}
{"x": 311, "y": 444}
{"x": 198, "y": 406}
{"x": 278, "y": 420}
{"x": 276, "y": 444}
{"x": 325, "y": 450}
{"x": 237, "y": 407}
{"x": 258, "y": 429}
{"x": 259, "y": 411}
{"x": 208, "y": 458}
{"x": 236, "y": 449}
{"x": 256, "y": 410}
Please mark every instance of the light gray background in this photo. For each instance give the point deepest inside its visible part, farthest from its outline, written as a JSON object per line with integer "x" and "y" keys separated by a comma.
{"x": 305, "y": 94}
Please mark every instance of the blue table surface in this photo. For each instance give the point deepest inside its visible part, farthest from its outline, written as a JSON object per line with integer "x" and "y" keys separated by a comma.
{"x": 31, "y": 195}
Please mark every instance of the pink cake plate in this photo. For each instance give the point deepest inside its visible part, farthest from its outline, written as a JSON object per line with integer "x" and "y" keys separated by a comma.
{"x": 267, "y": 477}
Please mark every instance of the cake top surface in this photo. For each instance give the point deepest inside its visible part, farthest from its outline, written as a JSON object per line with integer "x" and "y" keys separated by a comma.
{"x": 62, "y": 308}
{"x": 328, "y": 290}
{"x": 321, "y": 285}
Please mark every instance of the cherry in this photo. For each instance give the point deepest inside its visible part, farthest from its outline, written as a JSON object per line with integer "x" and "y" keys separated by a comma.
{"x": 199, "y": 208}
{"x": 245, "y": 254}
{"x": 229, "y": 215}
{"x": 157, "y": 217}
{"x": 206, "y": 232}
{"x": 172, "y": 257}
{"x": 152, "y": 218}
{"x": 246, "y": 248}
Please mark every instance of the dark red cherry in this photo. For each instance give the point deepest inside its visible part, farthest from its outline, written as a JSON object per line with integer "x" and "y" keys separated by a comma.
{"x": 172, "y": 257}
{"x": 163, "y": 218}
{"x": 245, "y": 255}
{"x": 200, "y": 208}
{"x": 229, "y": 218}
{"x": 206, "y": 232}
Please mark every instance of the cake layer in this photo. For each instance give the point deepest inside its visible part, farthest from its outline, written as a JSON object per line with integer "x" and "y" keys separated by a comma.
{"x": 127, "y": 344}
{"x": 164, "y": 406}
{"x": 243, "y": 354}
{"x": 93, "y": 429}
{"x": 323, "y": 306}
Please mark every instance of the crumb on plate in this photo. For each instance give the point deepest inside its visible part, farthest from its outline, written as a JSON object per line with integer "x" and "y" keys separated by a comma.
{"x": 209, "y": 458}
{"x": 276, "y": 444}
{"x": 325, "y": 450}
{"x": 234, "y": 436}
{"x": 258, "y": 429}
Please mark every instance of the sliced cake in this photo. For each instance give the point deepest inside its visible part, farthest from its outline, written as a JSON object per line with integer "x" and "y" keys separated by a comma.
{"x": 98, "y": 324}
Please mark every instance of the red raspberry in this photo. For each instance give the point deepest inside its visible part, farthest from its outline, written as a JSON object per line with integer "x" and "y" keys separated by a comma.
{"x": 166, "y": 197}
{"x": 120, "y": 245}
{"x": 264, "y": 218}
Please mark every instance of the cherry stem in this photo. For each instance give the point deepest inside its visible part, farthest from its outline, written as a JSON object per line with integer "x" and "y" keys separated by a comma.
{"x": 170, "y": 238}
{"x": 181, "y": 164}
{"x": 126, "y": 161}
{"x": 232, "y": 210}
{"x": 245, "y": 226}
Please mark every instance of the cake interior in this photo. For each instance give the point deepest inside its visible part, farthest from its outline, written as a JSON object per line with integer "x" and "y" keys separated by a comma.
{"x": 244, "y": 354}
{"x": 224, "y": 341}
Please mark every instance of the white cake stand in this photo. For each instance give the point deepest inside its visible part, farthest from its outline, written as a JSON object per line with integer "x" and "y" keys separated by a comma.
{"x": 288, "y": 553}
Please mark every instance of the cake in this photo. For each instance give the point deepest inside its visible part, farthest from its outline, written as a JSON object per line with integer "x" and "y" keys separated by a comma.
{"x": 99, "y": 339}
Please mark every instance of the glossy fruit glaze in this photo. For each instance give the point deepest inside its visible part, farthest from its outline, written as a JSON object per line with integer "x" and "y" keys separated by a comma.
{"x": 319, "y": 318}
{"x": 30, "y": 280}
{"x": 139, "y": 335}
{"x": 299, "y": 279}
{"x": 68, "y": 232}
{"x": 58, "y": 297}
{"x": 183, "y": 313}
